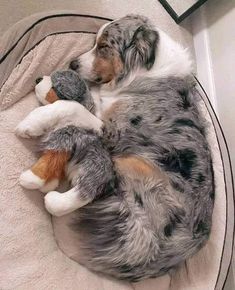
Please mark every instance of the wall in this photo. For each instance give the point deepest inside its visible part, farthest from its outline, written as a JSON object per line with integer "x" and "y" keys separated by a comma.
{"x": 214, "y": 39}
{"x": 213, "y": 28}
{"x": 221, "y": 31}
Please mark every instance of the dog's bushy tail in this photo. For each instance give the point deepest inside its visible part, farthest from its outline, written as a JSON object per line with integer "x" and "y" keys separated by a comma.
{"x": 117, "y": 239}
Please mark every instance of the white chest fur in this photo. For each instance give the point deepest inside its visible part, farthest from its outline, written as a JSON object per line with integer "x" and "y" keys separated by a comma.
{"x": 103, "y": 101}
{"x": 107, "y": 102}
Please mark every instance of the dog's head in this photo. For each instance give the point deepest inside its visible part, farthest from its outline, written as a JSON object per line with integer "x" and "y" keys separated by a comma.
{"x": 121, "y": 47}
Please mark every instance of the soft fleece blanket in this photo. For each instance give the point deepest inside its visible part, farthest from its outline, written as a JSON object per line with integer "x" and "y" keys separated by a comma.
{"x": 37, "y": 250}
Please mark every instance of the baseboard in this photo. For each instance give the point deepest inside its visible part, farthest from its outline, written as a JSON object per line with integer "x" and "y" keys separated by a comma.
{"x": 203, "y": 54}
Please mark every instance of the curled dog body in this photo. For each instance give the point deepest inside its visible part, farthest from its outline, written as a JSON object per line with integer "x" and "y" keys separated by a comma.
{"x": 156, "y": 209}
{"x": 159, "y": 212}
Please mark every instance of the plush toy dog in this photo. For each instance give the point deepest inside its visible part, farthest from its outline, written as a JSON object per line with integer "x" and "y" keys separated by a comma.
{"x": 68, "y": 150}
{"x": 63, "y": 85}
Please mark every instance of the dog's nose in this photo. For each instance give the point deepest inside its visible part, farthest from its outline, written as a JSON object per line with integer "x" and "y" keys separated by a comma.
{"x": 74, "y": 64}
{"x": 38, "y": 80}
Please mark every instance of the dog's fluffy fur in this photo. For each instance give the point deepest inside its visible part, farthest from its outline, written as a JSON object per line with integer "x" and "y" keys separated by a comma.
{"x": 156, "y": 209}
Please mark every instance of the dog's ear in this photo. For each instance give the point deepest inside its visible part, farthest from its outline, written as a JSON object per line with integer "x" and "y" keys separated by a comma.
{"x": 142, "y": 48}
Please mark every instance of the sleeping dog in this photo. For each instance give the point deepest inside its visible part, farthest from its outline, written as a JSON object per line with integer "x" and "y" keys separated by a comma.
{"x": 157, "y": 211}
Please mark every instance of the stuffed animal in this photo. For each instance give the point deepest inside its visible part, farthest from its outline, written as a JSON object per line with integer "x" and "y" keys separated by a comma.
{"x": 67, "y": 150}
{"x": 63, "y": 85}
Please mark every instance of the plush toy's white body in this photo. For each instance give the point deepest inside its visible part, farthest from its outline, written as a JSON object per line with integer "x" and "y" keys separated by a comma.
{"x": 43, "y": 119}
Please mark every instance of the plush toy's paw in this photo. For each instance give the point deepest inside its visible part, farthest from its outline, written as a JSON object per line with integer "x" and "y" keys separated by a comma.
{"x": 55, "y": 203}
{"x": 50, "y": 185}
{"x": 26, "y": 129}
{"x": 21, "y": 131}
{"x": 31, "y": 181}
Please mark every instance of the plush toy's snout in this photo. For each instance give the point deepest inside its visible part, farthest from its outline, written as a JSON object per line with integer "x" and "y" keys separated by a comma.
{"x": 44, "y": 91}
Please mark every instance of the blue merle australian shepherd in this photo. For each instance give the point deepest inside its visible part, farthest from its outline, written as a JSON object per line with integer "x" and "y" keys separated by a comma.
{"x": 145, "y": 206}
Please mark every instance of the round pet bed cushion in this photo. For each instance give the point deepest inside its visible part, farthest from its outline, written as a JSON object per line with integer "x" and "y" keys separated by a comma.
{"x": 38, "y": 252}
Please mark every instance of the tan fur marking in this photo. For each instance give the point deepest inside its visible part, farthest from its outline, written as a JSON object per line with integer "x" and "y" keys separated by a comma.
{"x": 113, "y": 110}
{"x": 51, "y": 165}
{"x": 133, "y": 166}
{"x": 51, "y": 96}
{"x": 118, "y": 65}
{"x": 108, "y": 66}
{"x": 103, "y": 68}
{"x": 102, "y": 40}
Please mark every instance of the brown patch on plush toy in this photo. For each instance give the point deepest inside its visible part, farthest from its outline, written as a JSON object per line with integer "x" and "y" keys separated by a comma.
{"x": 51, "y": 96}
{"x": 51, "y": 165}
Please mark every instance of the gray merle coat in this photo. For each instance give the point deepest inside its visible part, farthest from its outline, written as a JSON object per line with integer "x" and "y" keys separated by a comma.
{"x": 152, "y": 202}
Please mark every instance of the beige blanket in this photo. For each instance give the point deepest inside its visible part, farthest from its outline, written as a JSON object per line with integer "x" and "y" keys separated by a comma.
{"x": 35, "y": 250}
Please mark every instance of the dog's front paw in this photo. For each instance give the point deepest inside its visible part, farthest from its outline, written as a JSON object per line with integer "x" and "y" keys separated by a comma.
{"x": 26, "y": 130}
{"x": 54, "y": 203}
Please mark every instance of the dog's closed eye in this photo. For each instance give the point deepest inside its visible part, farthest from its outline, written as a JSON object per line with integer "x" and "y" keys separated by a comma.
{"x": 103, "y": 50}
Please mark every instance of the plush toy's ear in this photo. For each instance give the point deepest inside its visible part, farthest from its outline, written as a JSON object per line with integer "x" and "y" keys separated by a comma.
{"x": 69, "y": 86}
{"x": 51, "y": 96}
{"x": 142, "y": 48}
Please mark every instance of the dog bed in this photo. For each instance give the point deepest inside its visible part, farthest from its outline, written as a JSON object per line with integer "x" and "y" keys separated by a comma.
{"x": 37, "y": 251}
